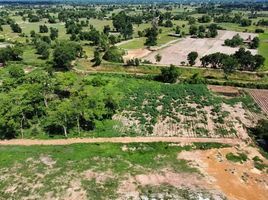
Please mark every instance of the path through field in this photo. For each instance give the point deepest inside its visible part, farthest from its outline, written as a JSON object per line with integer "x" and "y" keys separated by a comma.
{"x": 29, "y": 142}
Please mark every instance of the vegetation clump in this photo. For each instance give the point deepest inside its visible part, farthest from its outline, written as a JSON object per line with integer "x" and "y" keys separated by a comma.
{"x": 240, "y": 157}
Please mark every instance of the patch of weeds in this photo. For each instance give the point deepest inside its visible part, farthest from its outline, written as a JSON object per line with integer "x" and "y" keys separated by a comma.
{"x": 102, "y": 191}
{"x": 210, "y": 145}
{"x": 240, "y": 157}
{"x": 258, "y": 164}
{"x": 170, "y": 192}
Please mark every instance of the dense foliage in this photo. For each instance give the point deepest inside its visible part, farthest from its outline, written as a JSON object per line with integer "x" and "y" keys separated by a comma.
{"x": 58, "y": 104}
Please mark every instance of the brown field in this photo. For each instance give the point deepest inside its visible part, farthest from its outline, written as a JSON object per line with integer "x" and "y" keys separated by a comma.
{"x": 177, "y": 53}
{"x": 261, "y": 98}
{"x": 224, "y": 90}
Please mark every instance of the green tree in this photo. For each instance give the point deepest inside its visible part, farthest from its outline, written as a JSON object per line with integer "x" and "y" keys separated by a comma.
{"x": 43, "y": 29}
{"x": 169, "y": 74}
{"x": 65, "y": 53}
{"x": 61, "y": 114}
{"x": 10, "y": 53}
{"x": 192, "y": 56}
{"x": 254, "y": 43}
{"x": 158, "y": 57}
{"x": 15, "y": 28}
{"x": 97, "y": 58}
{"x": 123, "y": 24}
{"x": 151, "y": 35}
{"x": 42, "y": 49}
{"x": 193, "y": 30}
{"x": 54, "y": 33}
{"x": 229, "y": 65}
{"x": 114, "y": 54}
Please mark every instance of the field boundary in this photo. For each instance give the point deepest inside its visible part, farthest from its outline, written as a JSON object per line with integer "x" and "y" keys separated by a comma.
{"x": 124, "y": 140}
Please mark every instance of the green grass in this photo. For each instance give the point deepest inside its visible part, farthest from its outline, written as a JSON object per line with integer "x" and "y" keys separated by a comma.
{"x": 136, "y": 43}
{"x": 263, "y": 49}
{"x": 240, "y": 157}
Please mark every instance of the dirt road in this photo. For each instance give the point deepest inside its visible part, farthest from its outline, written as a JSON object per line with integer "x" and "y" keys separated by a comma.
{"x": 29, "y": 142}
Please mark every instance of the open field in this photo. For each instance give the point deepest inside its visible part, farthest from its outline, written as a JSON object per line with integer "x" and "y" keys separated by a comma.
{"x": 130, "y": 171}
{"x": 177, "y": 53}
{"x": 263, "y": 49}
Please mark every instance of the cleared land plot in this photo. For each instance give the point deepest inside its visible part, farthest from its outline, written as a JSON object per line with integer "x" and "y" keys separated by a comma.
{"x": 224, "y": 90}
{"x": 177, "y": 53}
{"x": 261, "y": 98}
{"x": 130, "y": 171}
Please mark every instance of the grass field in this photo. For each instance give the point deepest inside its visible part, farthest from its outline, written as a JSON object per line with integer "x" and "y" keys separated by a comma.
{"x": 263, "y": 49}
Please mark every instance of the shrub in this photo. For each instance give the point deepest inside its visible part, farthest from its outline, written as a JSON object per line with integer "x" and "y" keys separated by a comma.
{"x": 169, "y": 74}
{"x": 114, "y": 54}
{"x": 240, "y": 157}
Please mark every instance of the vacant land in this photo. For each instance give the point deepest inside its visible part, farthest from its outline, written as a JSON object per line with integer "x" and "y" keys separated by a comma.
{"x": 129, "y": 171}
{"x": 177, "y": 53}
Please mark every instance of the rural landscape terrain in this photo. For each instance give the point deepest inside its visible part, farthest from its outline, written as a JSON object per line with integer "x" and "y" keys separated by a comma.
{"x": 133, "y": 100}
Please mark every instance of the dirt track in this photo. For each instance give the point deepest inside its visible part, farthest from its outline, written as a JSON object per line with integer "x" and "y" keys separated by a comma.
{"x": 29, "y": 142}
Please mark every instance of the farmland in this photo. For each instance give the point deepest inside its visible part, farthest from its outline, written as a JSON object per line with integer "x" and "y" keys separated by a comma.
{"x": 133, "y": 101}
{"x": 261, "y": 97}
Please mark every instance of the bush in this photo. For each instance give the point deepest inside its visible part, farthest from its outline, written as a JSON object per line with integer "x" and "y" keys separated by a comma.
{"x": 240, "y": 157}
{"x": 169, "y": 74}
{"x": 259, "y": 30}
{"x": 234, "y": 42}
{"x": 114, "y": 54}
{"x": 133, "y": 62}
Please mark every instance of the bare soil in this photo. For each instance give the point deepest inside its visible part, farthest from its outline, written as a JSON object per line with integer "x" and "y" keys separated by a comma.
{"x": 29, "y": 142}
{"x": 177, "y": 53}
{"x": 136, "y": 53}
{"x": 237, "y": 181}
{"x": 224, "y": 90}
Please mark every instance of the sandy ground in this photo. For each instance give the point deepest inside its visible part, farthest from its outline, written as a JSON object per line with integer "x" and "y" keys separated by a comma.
{"x": 177, "y": 53}
{"x": 28, "y": 142}
{"x": 136, "y": 53}
{"x": 236, "y": 180}
{"x": 260, "y": 97}
{"x": 143, "y": 52}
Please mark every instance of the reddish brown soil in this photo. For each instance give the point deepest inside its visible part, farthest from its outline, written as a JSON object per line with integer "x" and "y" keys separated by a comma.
{"x": 238, "y": 181}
